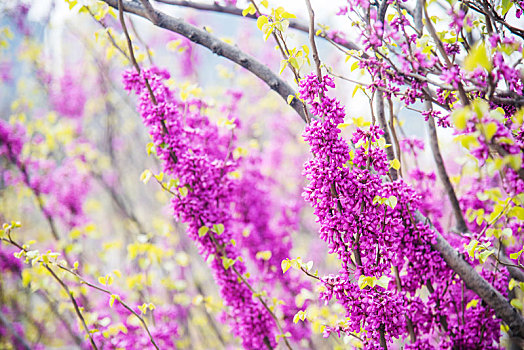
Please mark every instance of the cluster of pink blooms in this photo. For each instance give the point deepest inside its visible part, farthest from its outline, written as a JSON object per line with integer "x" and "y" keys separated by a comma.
{"x": 193, "y": 151}
{"x": 255, "y": 212}
{"x": 372, "y": 239}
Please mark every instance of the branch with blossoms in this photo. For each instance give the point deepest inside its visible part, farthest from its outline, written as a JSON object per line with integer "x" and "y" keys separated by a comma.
{"x": 375, "y": 226}
{"x": 174, "y": 155}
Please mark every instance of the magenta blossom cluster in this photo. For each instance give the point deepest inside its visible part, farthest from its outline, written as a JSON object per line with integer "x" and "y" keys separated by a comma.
{"x": 258, "y": 234}
{"x": 194, "y": 153}
{"x": 385, "y": 253}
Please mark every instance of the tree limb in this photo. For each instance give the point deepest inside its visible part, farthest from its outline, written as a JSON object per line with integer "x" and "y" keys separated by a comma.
{"x": 218, "y": 47}
{"x": 479, "y": 285}
{"x": 233, "y": 10}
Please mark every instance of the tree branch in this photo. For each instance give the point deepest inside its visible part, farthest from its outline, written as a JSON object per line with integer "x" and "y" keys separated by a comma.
{"x": 235, "y": 11}
{"x": 316, "y": 57}
{"x": 476, "y": 283}
{"x": 218, "y": 47}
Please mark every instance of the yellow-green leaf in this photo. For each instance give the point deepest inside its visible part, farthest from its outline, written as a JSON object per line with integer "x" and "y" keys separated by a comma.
{"x": 516, "y": 303}
{"x": 286, "y": 265}
{"x": 218, "y": 228}
{"x": 395, "y": 164}
{"x": 202, "y": 231}
{"x": 261, "y": 21}
{"x": 472, "y": 303}
{"x": 478, "y": 57}
{"x": 490, "y": 129}
{"x": 183, "y": 191}
{"x": 146, "y": 176}
{"x": 459, "y": 117}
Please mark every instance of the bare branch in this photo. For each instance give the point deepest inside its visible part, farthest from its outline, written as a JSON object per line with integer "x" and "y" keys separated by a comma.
{"x": 151, "y": 14}
{"x": 218, "y": 47}
{"x": 316, "y": 58}
{"x": 232, "y": 10}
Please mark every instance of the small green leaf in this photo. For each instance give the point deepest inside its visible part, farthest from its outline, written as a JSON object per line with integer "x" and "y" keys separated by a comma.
{"x": 203, "y": 231}
{"x": 286, "y": 265}
{"x": 471, "y": 247}
{"x": 227, "y": 262}
{"x": 300, "y": 316}
{"x": 112, "y": 299}
{"x": 484, "y": 255}
{"x": 491, "y": 129}
{"x": 395, "y": 164}
{"x": 288, "y": 15}
{"x": 150, "y": 147}
{"x": 364, "y": 281}
{"x": 391, "y": 202}
{"x": 516, "y": 255}
{"x": 283, "y": 65}
{"x": 478, "y": 57}
{"x": 261, "y": 21}
{"x": 183, "y": 191}
{"x": 472, "y": 303}
{"x": 146, "y": 176}
{"x": 459, "y": 117}
{"x": 249, "y": 10}
{"x": 517, "y": 212}
{"x": 516, "y": 303}
{"x": 506, "y": 6}
{"x": 309, "y": 265}
{"x": 218, "y": 228}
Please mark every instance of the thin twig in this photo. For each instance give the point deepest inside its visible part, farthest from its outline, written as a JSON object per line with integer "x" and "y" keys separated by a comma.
{"x": 443, "y": 174}
{"x": 316, "y": 57}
